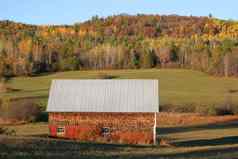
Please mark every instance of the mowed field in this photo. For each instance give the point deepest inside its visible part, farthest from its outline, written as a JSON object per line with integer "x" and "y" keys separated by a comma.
{"x": 218, "y": 139}
{"x": 181, "y": 135}
{"x": 177, "y": 86}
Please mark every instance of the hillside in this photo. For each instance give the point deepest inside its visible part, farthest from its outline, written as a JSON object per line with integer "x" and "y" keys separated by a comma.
{"x": 121, "y": 42}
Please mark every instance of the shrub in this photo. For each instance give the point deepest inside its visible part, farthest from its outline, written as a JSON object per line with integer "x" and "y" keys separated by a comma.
{"x": 211, "y": 110}
{"x": 220, "y": 110}
{"x": 3, "y": 87}
{"x": 6, "y": 131}
{"x": 189, "y": 108}
{"x": 21, "y": 110}
{"x": 106, "y": 76}
{"x": 4, "y": 106}
{"x": 235, "y": 109}
{"x": 26, "y": 110}
{"x": 227, "y": 108}
{"x": 42, "y": 104}
{"x": 223, "y": 109}
{"x": 43, "y": 116}
{"x": 203, "y": 110}
{"x": 2, "y": 130}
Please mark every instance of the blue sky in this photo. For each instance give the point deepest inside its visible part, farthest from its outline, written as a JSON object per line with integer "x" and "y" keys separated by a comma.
{"x": 71, "y": 11}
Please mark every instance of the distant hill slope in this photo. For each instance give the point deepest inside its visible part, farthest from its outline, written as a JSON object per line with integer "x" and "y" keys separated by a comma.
{"x": 149, "y": 26}
{"x": 122, "y": 41}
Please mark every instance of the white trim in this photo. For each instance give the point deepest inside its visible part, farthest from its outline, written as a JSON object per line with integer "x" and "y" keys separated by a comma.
{"x": 154, "y": 133}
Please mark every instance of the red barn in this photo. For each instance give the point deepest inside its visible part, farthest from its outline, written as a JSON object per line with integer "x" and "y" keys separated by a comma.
{"x": 112, "y": 111}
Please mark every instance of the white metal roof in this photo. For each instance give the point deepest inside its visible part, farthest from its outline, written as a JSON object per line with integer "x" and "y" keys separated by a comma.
{"x": 104, "y": 96}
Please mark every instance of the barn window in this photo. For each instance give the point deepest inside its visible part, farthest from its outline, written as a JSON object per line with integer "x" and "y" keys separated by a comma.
{"x": 60, "y": 131}
{"x": 105, "y": 131}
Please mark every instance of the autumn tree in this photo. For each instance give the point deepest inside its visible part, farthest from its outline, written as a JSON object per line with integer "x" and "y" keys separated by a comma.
{"x": 148, "y": 59}
{"x": 226, "y": 50}
{"x": 122, "y": 41}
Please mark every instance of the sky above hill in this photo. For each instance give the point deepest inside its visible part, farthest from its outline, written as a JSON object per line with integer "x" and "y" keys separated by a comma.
{"x": 71, "y": 11}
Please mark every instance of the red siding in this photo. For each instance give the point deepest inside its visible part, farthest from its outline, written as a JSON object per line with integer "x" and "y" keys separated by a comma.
{"x": 53, "y": 130}
{"x": 129, "y": 128}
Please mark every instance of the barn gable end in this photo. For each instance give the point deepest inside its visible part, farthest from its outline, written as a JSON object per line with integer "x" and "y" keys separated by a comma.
{"x": 121, "y": 111}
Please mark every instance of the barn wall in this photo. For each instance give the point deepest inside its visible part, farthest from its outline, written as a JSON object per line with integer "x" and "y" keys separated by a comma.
{"x": 128, "y": 128}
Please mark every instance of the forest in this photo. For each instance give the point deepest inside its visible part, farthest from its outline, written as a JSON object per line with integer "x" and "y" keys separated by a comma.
{"x": 122, "y": 41}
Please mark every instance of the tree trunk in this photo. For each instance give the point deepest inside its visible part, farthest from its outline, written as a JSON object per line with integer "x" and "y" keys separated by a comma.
{"x": 226, "y": 65}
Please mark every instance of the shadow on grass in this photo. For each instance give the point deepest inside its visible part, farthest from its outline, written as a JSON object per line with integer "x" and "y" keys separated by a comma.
{"x": 201, "y": 154}
{"x": 43, "y": 117}
{"x": 30, "y": 97}
{"x": 43, "y": 74}
{"x": 13, "y": 90}
{"x": 209, "y": 142}
{"x": 52, "y": 144}
{"x": 36, "y": 90}
{"x": 106, "y": 76}
{"x": 48, "y": 148}
{"x": 169, "y": 130}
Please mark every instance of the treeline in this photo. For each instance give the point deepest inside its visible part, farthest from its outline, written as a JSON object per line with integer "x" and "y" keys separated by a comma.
{"x": 121, "y": 42}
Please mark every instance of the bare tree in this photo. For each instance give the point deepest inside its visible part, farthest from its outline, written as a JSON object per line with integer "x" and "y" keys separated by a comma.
{"x": 226, "y": 48}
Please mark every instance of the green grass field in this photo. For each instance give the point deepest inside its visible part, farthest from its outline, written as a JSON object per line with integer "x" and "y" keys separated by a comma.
{"x": 177, "y": 87}
{"x": 218, "y": 141}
